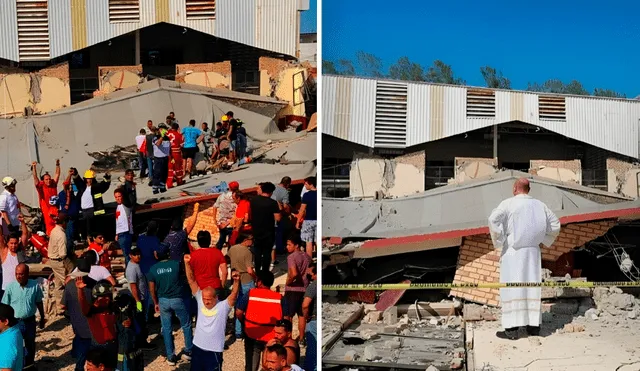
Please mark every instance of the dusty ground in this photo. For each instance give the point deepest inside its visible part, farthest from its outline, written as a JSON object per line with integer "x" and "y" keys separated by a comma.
{"x": 54, "y": 342}
{"x": 603, "y": 339}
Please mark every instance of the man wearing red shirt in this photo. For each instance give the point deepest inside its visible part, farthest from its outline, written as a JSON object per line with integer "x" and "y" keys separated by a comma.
{"x": 241, "y": 221}
{"x": 208, "y": 264}
{"x": 47, "y": 187}
{"x": 97, "y": 244}
{"x": 176, "y": 171}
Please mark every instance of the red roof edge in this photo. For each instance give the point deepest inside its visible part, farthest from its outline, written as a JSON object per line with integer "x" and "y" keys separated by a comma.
{"x": 384, "y": 242}
{"x": 193, "y": 199}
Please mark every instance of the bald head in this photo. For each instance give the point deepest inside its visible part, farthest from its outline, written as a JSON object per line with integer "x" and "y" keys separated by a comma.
{"x": 521, "y": 186}
{"x": 22, "y": 274}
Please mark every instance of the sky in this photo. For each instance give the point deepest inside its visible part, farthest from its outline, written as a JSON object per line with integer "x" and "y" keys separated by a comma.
{"x": 308, "y": 19}
{"x": 594, "y": 42}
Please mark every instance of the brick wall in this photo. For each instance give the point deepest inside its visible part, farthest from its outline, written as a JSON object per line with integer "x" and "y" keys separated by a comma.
{"x": 273, "y": 66}
{"x": 573, "y": 165}
{"x": 204, "y": 221}
{"x": 223, "y": 68}
{"x": 478, "y": 261}
{"x": 104, "y": 70}
{"x": 60, "y": 71}
{"x": 620, "y": 167}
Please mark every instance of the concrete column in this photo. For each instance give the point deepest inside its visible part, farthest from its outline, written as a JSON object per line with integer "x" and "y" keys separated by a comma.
{"x": 137, "y": 47}
{"x": 495, "y": 141}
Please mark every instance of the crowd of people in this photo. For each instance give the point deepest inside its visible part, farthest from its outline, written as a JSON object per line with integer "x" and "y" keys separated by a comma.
{"x": 201, "y": 280}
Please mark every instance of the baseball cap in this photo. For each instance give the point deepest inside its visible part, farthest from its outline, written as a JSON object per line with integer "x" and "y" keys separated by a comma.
{"x": 6, "y": 312}
{"x": 234, "y": 186}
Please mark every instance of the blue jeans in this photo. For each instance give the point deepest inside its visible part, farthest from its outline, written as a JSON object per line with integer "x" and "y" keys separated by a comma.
{"x": 28, "y": 329}
{"x": 244, "y": 291}
{"x": 70, "y": 232}
{"x": 125, "y": 240}
{"x": 311, "y": 335}
{"x": 225, "y": 233}
{"x": 167, "y": 308}
{"x": 150, "y": 166}
{"x": 79, "y": 351}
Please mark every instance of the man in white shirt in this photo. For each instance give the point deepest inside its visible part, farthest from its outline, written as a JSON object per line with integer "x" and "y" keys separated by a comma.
{"x": 124, "y": 225}
{"x": 142, "y": 158}
{"x": 9, "y": 206}
{"x": 518, "y": 226}
{"x": 208, "y": 340}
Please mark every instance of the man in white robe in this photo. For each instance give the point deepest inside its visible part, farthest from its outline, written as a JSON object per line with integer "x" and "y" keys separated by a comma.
{"x": 518, "y": 226}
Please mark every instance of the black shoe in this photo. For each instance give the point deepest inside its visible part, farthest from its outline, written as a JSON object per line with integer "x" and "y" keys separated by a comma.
{"x": 533, "y": 330}
{"x": 508, "y": 334}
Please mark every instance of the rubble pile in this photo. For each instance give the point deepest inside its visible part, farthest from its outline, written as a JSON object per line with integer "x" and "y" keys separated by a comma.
{"x": 611, "y": 304}
{"x": 115, "y": 159}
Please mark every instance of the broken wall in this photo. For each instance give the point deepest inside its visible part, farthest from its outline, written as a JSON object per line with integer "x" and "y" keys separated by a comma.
{"x": 211, "y": 75}
{"x": 112, "y": 78}
{"x": 285, "y": 81}
{"x": 397, "y": 177}
{"x": 471, "y": 168}
{"x": 39, "y": 92}
{"x": 479, "y": 261}
{"x": 622, "y": 177}
{"x": 561, "y": 170}
{"x": 204, "y": 222}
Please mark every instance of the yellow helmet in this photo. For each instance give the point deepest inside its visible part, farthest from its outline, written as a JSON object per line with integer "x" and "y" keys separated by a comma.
{"x": 89, "y": 174}
{"x": 224, "y": 118}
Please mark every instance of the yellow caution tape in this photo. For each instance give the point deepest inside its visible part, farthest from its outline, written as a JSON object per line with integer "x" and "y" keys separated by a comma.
{"x": 480, "y": 285}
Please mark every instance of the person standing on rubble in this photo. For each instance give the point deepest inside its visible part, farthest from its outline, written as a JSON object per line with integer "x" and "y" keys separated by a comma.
{"x": 142, "y": 152}
{"x": 69, "y": 203}
{"x": 308, "y": 215}
{"x": 223, "y": 212}
{"x": 176, "y": 171}
{"x": 206, "y": 140}
{"x": 47, "y": 187}
{"x": 90, "y": 192}
{"x": 240, "y": 134}
{"x": 148, "y": 144}
{"x": 124, "y": 225}
{"x": 264, "y": 215}
{"x": 518, "y": 226}
{"x": 161, "y": 149}
{"x": 9, "y": 206}
{"x": 192, "y": 136}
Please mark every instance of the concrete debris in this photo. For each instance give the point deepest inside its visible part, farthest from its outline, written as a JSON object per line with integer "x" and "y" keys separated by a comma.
{"x": 565, "y": 307}
{"x": 632, "y": 315}
{"x": 591, "y": 314}
{"x": 390, "y": 330}
{"x": 432, "y": 368}
{"x": 390, "y": 316}
{"x": 114, "y": 159}
{"x": 572, "y": 327}
{"x": 392, "y": 344}
{"x": 433, "y": 322}
{"x": 454, "y": 322}
{"x": 370, "y": 353}
{"x": 475, "y": 312}
{"x": 372, "y": 317}
{"x": 404, "y": 320}
{"x": 546, "y": 274}
{"x": 351, "y": 355}
{"x": 367, "y": 334}
{"x": 612, "y": 299}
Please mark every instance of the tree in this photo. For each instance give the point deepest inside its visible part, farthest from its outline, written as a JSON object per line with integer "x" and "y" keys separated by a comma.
{"x": 346, "y": 67}
{"x": 442, "y": 73}
{"x": 406, "y": 70}
{"x": 494, "y": 79}
{"x": 558, "y": 87}
{"x": 608, "y": 93}
{"x": 329, "y": 68}
{"x": 369, "y": 64}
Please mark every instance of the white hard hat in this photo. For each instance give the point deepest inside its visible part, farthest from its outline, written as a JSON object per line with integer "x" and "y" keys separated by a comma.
{"x": 8, "y": 181}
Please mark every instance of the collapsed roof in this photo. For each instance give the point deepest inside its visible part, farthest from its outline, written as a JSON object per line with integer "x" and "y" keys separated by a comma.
{"x": 98, "y": 124}
{"x": 457, "y": 206}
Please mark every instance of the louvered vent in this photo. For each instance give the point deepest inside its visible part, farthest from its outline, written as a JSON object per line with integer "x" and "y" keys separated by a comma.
{"x": 391, "y": 115}
{"x": 33, "y": 30}
{"x": 552, "y": 108}
{"x": 201, "y": 9}
{"x": 481, "y": 103}
{"x": 121, "y": 11}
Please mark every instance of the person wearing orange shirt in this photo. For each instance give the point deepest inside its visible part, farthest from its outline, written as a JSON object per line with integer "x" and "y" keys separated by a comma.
{"x": 47, "y": 188}
{"x": 176, "y": 169}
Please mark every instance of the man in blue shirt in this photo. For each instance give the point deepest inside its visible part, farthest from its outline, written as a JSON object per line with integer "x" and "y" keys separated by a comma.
{"x": 24, "y": 296}
{"x": 192, "y": 136}
{"x": 11, "y": 343}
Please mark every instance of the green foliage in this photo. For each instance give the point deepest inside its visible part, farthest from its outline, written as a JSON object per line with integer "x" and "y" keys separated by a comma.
{"x": 494, "y": 79}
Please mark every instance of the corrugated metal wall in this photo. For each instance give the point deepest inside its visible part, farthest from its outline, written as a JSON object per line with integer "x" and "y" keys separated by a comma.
{"x": 8, "y": 31}
{"x": 435, "y": 112}
{"x": 76, "y": 24}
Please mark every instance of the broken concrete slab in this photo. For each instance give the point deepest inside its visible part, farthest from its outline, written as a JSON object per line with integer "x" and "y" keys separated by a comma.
{"x": 390, "y": 316}
{"x": 373, "y": 317}
{"x": 565, "y": 292}
{"x": 475, "y": 312}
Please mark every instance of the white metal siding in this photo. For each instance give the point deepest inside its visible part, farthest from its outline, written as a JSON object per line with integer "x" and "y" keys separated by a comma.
{"x": 362, "y": 120}
{"x": 60, "y": 40}
{"x": 8, "y": 30}
{"x": 275, "y": 19}
{"x": 435, "y": 112}
{"x": 329, "y": 98}
{"x": 98, "y": 27}
{"x": 236, "y": 20}
{"x": 418, "y": 111}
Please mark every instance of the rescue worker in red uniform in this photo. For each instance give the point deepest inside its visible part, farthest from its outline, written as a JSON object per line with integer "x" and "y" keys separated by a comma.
{"x": 47, "y": 187}
{"x": 259, "y": 311}
{"x": 176, "y": 171}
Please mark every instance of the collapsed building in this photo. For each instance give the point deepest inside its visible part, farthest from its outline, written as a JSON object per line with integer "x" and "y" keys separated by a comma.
{"x": 55, "y": 54}
{"x": 411, "y": 172}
